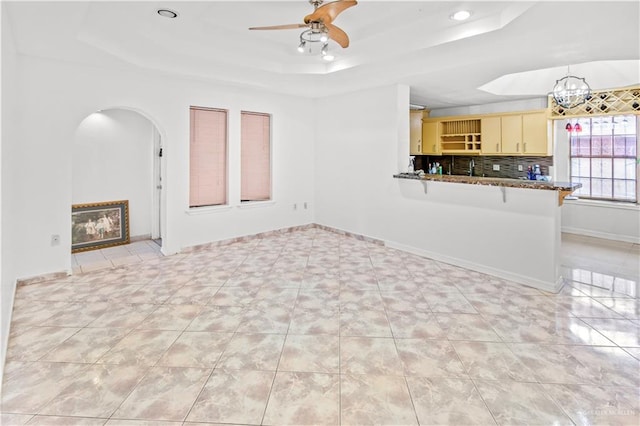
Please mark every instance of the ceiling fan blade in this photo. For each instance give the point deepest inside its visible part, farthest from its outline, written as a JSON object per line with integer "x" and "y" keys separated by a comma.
{"x": 329, "y": 11}
{"x": 338, "y": 35}
{"x": 281, "y": 27}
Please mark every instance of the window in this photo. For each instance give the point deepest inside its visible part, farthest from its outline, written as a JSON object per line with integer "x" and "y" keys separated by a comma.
{"x": 603, "y": 158}
{"x": 208, "y": 157}
{"x": 255, "y": 167}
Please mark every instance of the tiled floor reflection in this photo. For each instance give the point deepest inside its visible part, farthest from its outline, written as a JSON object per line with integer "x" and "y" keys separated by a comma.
{"x": 312, "y": 327}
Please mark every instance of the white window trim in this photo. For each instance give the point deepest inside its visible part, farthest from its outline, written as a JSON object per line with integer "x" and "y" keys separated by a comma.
{"x": 193, "y": 211}
{"x": 255, "y": 204}
{"x": 622, "y": 205}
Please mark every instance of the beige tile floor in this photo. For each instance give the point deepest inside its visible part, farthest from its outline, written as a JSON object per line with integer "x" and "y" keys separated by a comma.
{"x": 312, "y": 327}
{"x": 128, "y": 254}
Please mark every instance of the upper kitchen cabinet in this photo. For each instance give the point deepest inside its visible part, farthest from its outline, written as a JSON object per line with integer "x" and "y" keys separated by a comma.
{"x": 511, "y": 127}
{"x": 523, "y": 133}
{"x": 415, "y": 132}
{"x": 430, "y": 138}
{"x": 460, "y": 136}
{"x": 517, "y": 134}
{"x": 491, "y": 133}
{"x": 536, "y": 134}
{"x": 526, "y": 134}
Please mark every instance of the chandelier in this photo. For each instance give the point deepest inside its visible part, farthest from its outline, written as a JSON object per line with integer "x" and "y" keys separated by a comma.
{"x": 571, "y": 91}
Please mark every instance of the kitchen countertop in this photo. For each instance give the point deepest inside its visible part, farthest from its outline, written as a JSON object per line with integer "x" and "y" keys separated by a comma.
{"x": 493, "y": 181}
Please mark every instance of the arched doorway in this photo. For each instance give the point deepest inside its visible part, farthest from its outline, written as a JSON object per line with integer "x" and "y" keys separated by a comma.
{"x": 117, "y": 156}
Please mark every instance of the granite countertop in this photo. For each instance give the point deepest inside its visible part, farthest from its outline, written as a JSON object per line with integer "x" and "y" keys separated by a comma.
{"x": 493, "y": 181}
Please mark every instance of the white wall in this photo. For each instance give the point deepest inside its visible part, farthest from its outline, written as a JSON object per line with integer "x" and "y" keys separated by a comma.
{"x": 614, "y": 221}
{"x": 54, "y": 98}
{"x": 359, "y": 147}
{"x": 509, "y": 106}
{"x": 113, "y": 160}
{"x": 356, "y": 155}
{"x": 59, "y": 96}
{"x": 9, "y": 118}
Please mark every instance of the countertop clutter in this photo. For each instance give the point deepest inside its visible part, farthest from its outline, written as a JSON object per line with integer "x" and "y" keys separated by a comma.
{"x": 493, "y": 181}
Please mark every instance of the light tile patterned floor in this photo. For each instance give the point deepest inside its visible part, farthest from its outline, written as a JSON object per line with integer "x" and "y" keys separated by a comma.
{"x": 312, "y": 327}
{"x": 136, "y": 252}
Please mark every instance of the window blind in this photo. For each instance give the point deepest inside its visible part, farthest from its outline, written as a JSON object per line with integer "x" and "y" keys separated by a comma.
{"x": 255, "y": 156}
{"x": 208, "y": 157}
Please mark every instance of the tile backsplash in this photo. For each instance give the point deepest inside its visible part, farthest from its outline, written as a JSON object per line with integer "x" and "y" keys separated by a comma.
{"x": 459, "y": 164}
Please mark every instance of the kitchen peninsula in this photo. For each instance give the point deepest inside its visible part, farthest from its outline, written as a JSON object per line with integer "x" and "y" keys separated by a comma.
{"x": 512, "y": 225}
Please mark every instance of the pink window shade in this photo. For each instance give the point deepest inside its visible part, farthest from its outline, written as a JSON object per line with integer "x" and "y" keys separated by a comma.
{"x": 255, "y": 157}
{"x": 208, "y": 157}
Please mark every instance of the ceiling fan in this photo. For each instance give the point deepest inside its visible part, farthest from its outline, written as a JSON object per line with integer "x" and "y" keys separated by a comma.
{"x": 319, "y": 23}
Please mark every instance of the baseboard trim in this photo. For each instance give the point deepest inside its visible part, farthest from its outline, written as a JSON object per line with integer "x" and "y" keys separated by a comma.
{"x": 350, "y": 234}
{"x": 603, "y": 235}
{"x": 205, "y": 246}
{"x": 42, "y": 278}
{"x": 548, "y": 286}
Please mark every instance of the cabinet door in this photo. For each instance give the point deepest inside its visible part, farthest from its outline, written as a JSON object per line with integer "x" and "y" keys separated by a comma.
{"x": 511, "y": 126}
{"x": 491, "y": 135}
{"x": 430, "y": 138}
{"x": 535, "y": 134}
{"x": 415, "y": 132}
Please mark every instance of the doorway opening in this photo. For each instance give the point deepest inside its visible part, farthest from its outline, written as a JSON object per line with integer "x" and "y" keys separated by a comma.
{"x": 117, "y": 155}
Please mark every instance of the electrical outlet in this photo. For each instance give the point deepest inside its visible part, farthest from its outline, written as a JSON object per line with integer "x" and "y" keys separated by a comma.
{"x": 496, "y": 167}
{"x": 295, "y": 207}
{"x": 520, "y": 167}
{"x": 55, "y": 240}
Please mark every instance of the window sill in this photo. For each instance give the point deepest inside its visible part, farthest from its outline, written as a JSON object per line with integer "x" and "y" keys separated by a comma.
{"x": 193, "y": 211}
{"x": 255, "y": 204}
{"x": 605, "y": 204}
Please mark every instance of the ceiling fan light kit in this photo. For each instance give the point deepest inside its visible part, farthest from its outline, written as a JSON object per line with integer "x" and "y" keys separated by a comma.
{"x": 319, "y": 27}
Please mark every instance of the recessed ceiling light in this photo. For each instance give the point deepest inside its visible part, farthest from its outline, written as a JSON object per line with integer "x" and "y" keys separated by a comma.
{"x": 461, "y": 15}
{"x": 167, "y": 13}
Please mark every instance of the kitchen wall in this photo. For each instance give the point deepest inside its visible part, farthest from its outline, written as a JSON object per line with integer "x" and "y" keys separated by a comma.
{"x": 497, "y": 107}
{"x": 483, "y": 165}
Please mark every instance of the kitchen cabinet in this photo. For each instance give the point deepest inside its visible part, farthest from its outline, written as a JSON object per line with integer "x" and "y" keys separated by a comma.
{"x": 511, "y": 127}
{"x": 517, "y": 134}
{"x": 430, "y": 137}
{"x": 491, "y": 134}
{"x": 526, "y": 133}
{"x": 415, "y": 132}
{"x": 536, "y": 134}
{"x": 460, "y": 136}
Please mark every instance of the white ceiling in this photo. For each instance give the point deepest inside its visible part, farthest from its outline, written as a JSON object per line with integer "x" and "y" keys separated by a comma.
{"x": 524, "y": 46}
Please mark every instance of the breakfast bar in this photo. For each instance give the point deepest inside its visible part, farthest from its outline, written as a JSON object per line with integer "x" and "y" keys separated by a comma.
{"x": 509, "y": 228}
